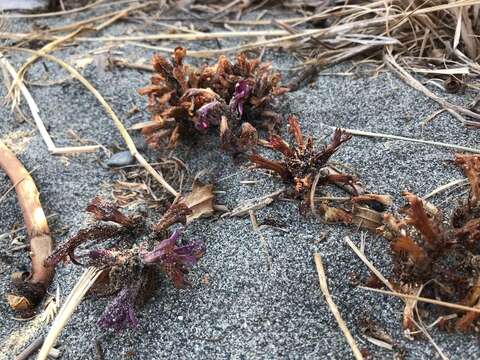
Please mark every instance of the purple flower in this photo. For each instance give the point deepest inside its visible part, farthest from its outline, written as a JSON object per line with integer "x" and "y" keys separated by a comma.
{"x": 175, "y": 260}
{"x": 208, "y": 114}
{"x": 242, "y": 92}
{"x": 120, "y": 311}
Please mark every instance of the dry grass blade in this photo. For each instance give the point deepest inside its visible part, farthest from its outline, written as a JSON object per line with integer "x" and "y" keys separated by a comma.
{"x": 254, "y": 204}
{"x": 409, "y": 79}
{"x": 18, "y": 79}
{"x": 403, "y": 138}
{"x": 52, "y": 148}
{"x": 322, "y": 278}
{"x": 74, "y": 298}
{"x": 370, "y": 266}
{"x": 128, "y": 140}
{"x": 97, "y": 4}
{"x": 424, "y": 299}
{"x": 446, "y": 187}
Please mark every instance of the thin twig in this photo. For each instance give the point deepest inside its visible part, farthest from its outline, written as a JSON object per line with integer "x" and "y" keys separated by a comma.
{"x": 30, "y": 349}
{"x": 322, "y": 278}
{"x": 402, "y": 138}
{"x": 423, "y": 299}
{"x": 370, "y": 266}
{"x": 253, "y": 219}
{"x": 34, "y": 110}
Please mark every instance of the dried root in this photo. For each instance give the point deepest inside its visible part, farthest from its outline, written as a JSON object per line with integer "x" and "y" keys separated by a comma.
{"x": 29, "y": 288}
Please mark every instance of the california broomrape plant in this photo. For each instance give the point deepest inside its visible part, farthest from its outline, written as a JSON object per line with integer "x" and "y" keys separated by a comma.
{"x": 305, "y": 167}
{"x": 437, "y": 258}
{"x": 233, "y": 97}
{"x": 130, "y": 268}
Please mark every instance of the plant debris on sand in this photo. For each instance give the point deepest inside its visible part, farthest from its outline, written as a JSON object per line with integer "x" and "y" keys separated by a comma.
{"x": 234, "y": 97}
{"x": 437, "y": 258}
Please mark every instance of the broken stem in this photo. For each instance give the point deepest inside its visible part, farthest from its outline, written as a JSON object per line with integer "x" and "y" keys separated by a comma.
{"x": 423, "y": 299}
{"x": 85, "y": 282}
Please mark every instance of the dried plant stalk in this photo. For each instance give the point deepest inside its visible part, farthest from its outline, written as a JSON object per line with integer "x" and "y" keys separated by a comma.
{"x": 333, "y": 307}
{"x": 83, "y": 284}
{"x": 30, "y": 287}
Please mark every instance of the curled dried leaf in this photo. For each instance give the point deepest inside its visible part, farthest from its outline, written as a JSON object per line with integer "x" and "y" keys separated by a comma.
{"x": 375, "y": 201}
{"x": 333, "y": 215}
{"x": 199, "y": 201}
{"x": 367, "y": 218}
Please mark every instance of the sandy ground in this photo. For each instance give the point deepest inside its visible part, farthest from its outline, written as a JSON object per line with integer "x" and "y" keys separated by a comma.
{"x": 245, "y": 310}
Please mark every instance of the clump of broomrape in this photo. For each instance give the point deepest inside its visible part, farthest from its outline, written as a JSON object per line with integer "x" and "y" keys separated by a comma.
{"x": 439, "y": 258}
{"x": 130, "y": 269}
{"x": 305, "y": 168}
{"x": 236, "y": 98}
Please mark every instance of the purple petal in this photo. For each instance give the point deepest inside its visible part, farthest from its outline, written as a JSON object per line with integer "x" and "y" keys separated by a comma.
{"x": 120, "y": 312}
{"x": 165, "y": 247}
{"x": 208, "y": 114}
{"x": 195, "y": 247}
{"x": 242, "y": 92}
{"x": 187, "y": 260}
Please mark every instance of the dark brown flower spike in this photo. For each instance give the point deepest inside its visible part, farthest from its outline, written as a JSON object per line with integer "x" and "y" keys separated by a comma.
{"x": 106, "y": 211}
{"x": 305, "y": 168}
{"x": 177, "y": 213}
{"x": 301, "y": 161}
{"x": 471, "y": 167}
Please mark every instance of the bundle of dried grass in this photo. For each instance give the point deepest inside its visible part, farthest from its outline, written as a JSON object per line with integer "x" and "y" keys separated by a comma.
{"x": 433, "y": 38}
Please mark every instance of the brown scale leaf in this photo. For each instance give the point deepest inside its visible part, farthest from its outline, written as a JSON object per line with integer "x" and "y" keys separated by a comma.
{"x": 106, "y": 211}
{"x": 405, "y": 244}
{"x": 176, "y": 213}
{"x": 418, "y": 217}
